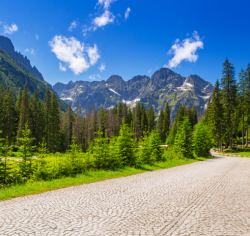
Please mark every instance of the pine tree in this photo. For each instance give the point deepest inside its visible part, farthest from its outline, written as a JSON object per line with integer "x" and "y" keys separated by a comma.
{"x": 68, "y": 120}
{"x": 154, "y": 146}
{"x": 214, "y": 116}
{"x": 55, "y": 135}
{"x": 160, "y": 126}
{"x": 164, "y": 123}
{"x": 52, "y": 122}
{"x": 183, "y": 139}
{"x": 125, "y": 146}
{"x": 9, "y": 117}
{"x": 244, "y": 102}
{"x": 4, "y": 148}
{"x": 36, "y": 118}
{"x": 151, "y": 119}
{"x": 26, "y": 148}
{"x": 180, "y": 114}
{"x": 229, "y": 93}
{"x": 24, "y": 112}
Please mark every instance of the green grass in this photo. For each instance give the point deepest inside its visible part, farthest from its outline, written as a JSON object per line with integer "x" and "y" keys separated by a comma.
{"x": 88, "y": 177}
{"x": 237, "y": 153}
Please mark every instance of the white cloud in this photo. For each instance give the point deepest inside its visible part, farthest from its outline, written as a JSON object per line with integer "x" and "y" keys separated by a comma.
{"x": 100, "y": 21}
{"x": 93, "y": 54}
{"x": 102, "y": 67}
{"x": 10, "y": 29}
{"x": 37, "y": 37}
{"x": 30, "y": 51}
{"x": 185, "y": 50}
{"x": 105, "y": 3}
{"x": 127, "y": 13}
{"x": 72, "y": 25}
{"x": 62, "y": 67}
{"x": 74, "y": 53}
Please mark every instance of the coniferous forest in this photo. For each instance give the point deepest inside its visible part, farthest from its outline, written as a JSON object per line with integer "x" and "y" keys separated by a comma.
{"x": 39, "y": 141}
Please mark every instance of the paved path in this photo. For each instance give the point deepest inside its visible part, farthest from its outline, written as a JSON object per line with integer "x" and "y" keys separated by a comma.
{"x": 204, "y": 198}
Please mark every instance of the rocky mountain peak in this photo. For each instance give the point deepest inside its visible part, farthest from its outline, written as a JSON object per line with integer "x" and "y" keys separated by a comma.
{"x": 164, "y": 86}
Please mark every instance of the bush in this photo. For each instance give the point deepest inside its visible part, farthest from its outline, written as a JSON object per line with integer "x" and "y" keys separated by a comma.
{"x": 202, "y": 140}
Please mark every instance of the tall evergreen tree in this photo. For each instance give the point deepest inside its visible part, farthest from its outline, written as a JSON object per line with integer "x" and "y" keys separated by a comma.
{"x": 215, "y": 116}
{"x": 9, "y": 116}
{"x": 229, "y": 94}
{"x": 36, "y": 119}
{"x": 244, "y": 102}
{"x": 125, "y": 146}
{"x": 24, "y": 112}
{"x": 183, "y": 138}
{"x": 151, "y": 119}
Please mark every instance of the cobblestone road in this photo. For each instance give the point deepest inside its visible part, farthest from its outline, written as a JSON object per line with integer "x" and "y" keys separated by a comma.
{"x": 204, "y": 198}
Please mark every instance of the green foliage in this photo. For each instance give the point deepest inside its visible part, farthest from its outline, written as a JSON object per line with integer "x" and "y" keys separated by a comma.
{"x": 163, "y": 124}
{"x": 229, "y": 102}
{"x": 26, "y": 149}
{"x": 154, "y": 146}
{"x": 101, "y": 150}
{"x": 125, "y": 146}
{"x": 214, "y": 116}
{"x": 202, "y": 140}
{"x": 183, "y": 139}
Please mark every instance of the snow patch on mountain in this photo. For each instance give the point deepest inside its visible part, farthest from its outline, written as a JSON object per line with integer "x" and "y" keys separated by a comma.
{"x": 112, "y": 90}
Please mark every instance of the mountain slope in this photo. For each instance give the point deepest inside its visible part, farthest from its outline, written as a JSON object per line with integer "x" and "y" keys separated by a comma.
{"x": 7, "y": 47}
{"x": 15, "y": 77}
{"x": 163, "y": 86}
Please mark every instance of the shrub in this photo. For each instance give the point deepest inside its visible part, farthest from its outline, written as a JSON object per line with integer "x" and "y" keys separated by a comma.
{"x": 202, "y": 140}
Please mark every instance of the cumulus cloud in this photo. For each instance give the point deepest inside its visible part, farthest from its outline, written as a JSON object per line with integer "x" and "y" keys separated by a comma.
{"x": 103, "y": 20}
{"x": 105, "y": 3}
{"x": 72, "y": 25}
{"x": 10, "y": 29}
{"x": 74, "y": 54}
{"x": 102, "y": 67}
{"x": 93, "y": 54}
{"x": 185, "y": 50}
{"x": 127, "y": 13}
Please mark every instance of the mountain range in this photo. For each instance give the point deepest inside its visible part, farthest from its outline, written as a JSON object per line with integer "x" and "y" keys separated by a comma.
{"x": 16, "y": 72}
{"x": 163, "y": 86}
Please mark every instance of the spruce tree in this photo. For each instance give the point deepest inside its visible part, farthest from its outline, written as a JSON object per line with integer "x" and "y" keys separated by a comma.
{"x": 125, "y": 146}
{"x": 9, "y": 117}
{"x": 36, "y": 119}
{"x": 229, "y": 93}
{"x": 26, "y": 148}
{"x": 151, "y": 119}
{"x": 244, "y": 103}
{"x": 214, "y": 116}
{"x": 183, "y": 138}
{"x": 24, "y": 112}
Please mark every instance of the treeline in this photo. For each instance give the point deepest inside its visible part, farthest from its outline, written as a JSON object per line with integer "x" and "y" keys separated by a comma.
{"x": 30, "y": 129}
{"x": 228, "y": 113}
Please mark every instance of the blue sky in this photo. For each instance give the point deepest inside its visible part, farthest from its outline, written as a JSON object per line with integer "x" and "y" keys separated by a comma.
{"x": 128, "y": 37}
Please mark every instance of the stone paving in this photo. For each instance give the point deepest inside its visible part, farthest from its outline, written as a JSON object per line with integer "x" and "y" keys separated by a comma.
{"x": 204, "y": 198}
